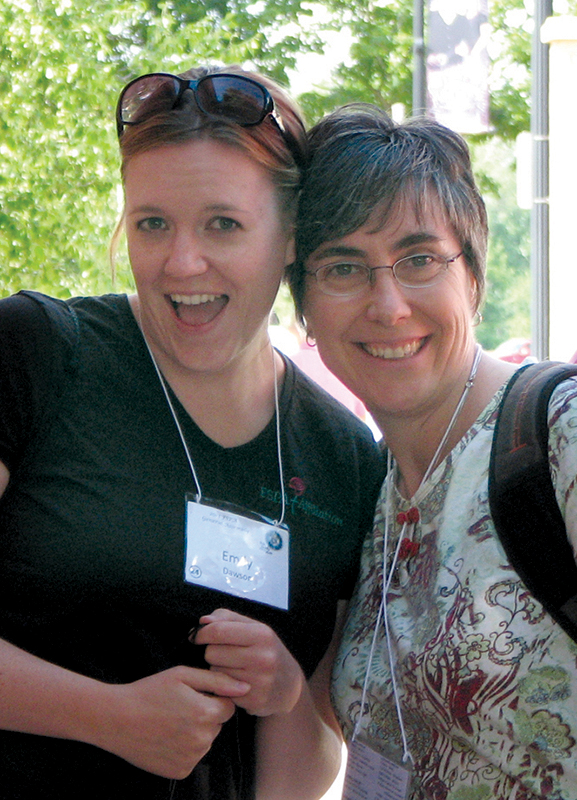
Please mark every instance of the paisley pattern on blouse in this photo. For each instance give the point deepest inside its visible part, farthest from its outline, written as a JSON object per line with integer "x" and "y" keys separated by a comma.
{"x": 487, "y": 681}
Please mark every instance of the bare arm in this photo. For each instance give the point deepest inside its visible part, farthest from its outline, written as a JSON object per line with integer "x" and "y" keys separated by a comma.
{"x": 298, "y": 739}
{"x": 164, "y": 723}
{"x": 4, "y": 478}
{"x": 299, "y": 753}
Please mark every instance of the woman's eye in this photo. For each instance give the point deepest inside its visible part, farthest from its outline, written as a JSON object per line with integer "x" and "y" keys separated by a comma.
{"x": 342, "y": 270}
{"x": 152, "y": 224}
{"x": 224, "y": 224}
{"x": 421, "y": 260}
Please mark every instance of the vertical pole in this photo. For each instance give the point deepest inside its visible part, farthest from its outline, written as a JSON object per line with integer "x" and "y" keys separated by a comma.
{"x": 560, "y": 33}
{"x": 540, "y": 207}
{"x": 419, "y": 65}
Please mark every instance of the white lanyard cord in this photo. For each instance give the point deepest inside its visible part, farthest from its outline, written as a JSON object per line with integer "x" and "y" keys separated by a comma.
{"x": 367, "y": 673}
{"x": 386, "y": 584}
{"x": 175, "y": 418}
{"x": 183, "y": 440}
{"x": 278, "y": 442}
{"x": 382, "y": 614}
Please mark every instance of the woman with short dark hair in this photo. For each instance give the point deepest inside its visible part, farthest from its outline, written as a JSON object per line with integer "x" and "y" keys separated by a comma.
{"x": 451, "y": 681}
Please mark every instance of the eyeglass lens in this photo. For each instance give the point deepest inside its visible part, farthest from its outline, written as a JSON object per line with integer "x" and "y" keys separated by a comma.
{"x": 148, "y": 96}
{"x": 419, "y": 270}
{"x": 236, "y": 98}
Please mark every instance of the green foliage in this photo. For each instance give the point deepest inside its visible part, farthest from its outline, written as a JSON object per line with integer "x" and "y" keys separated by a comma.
{"x": 54, "y": 151}
{"x": 379, "y": 68}
{"x": 510, "y": 81}
{"x": 62, "y": 65}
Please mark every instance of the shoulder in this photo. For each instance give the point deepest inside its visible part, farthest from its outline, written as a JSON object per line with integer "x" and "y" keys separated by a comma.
{"x": 35, "y": 329}
{"x": 105, "y": 312}
{"x": 31, "y": 310}
{"x": 38, "y": 349}
{"x": 305, "y": 392}
{"x": 562, "y": 421}
{"x": 337, "y": 441}
{"x": 42, "y": 326}
{"x": 562, "y": 449}
{"x": 307, "y": 404}
{"x": 563, "y": 399}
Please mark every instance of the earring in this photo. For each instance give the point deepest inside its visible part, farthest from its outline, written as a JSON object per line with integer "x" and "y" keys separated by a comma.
{"x": 310, "y": 340}
{"x": 477, "y": 319}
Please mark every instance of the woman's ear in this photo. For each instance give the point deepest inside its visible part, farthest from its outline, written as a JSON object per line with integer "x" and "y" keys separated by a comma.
{"x": 474, "y": 294}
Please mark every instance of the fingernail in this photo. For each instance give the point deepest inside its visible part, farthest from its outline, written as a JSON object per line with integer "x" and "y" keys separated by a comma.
{"x": 192, "y": 633}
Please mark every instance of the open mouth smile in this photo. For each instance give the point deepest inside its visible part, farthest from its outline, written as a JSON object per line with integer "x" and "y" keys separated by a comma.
{"x": 198, "y": 309}
{"x": 393, "y": 353}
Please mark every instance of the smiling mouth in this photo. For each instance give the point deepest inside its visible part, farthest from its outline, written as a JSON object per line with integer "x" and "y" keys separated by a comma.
{"x": 394, "y": 353}
{"x": 198, "y": 309}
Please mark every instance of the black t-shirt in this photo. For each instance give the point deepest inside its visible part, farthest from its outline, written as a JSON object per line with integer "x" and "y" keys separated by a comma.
{"x": 92, "y": 529}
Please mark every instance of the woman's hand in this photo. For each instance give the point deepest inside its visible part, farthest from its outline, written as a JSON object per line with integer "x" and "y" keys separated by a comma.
{"x": 166, "y": 723}
{"x": 251, "y": 652}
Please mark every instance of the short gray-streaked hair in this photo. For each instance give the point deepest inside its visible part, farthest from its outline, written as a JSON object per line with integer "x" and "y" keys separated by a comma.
{"x": 361, "y": 163}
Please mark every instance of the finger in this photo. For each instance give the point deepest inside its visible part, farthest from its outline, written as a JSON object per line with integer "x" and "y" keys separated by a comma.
{"x": 228, "y": 633}
{"x": 232, "y": 657}
{"x": 247, "y": 633}
{"x": 232, "y": 672}
{"x": 220, "y": 709}
{"x": 224, "y": 615}
{"x": 221, "y": 684}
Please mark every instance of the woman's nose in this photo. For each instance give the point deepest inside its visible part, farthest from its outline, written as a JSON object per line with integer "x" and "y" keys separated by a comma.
{"x": 186, "y": 257}
{"x": 386, "y": 299}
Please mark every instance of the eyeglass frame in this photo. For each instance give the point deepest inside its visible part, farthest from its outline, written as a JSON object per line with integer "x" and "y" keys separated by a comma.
{"x": 184, "y": 84}
{"x": 370, "y": 272}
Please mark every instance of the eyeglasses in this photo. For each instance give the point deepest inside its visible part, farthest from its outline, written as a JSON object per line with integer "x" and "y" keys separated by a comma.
{"x": 413, "y": 272}
{"x": 226, "y": 96}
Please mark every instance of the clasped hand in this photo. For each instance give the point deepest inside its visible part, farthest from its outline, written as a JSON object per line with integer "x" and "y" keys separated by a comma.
{"x": 251, "y": 652}
{"x": 167, "y": 722}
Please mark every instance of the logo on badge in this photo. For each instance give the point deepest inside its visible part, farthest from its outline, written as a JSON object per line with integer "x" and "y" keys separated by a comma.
{"x": 195, "y": 572}
{"x": 274, "y": 540}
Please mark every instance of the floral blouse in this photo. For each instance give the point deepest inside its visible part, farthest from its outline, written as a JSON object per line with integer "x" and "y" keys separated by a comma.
{"x": 487, "y": 681}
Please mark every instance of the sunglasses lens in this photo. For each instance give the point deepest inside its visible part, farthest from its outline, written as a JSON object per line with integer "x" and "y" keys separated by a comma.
{"x": 147, "y": 96}
{"x": 238, "y": 99}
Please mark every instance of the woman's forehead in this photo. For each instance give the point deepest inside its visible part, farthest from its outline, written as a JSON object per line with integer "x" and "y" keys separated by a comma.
{"x": 410, "y": 220}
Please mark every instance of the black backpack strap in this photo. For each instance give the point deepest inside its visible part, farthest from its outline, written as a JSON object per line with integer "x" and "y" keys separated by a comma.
{"x": 521, "y": 495}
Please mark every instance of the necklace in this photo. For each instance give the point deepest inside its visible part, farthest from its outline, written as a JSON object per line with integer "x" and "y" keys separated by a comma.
{"x": 456, "y": 412}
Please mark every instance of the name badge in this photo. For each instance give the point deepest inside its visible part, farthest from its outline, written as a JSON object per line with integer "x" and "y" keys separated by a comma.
{"x": 372, "y": 776}
{"x": 236, "y": 551}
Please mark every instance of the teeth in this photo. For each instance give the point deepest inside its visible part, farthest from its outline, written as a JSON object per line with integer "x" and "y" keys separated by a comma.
{"x": 193, "y": 299}
{"x": 393, "y": 352}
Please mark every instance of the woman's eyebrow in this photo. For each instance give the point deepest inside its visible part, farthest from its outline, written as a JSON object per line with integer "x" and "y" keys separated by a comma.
{"x": 338, "y": 250}
{"x": 419, "y": 237}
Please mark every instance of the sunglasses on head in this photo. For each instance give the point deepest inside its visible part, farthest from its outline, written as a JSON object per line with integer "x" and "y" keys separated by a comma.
{"x": 222, "y": 95}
